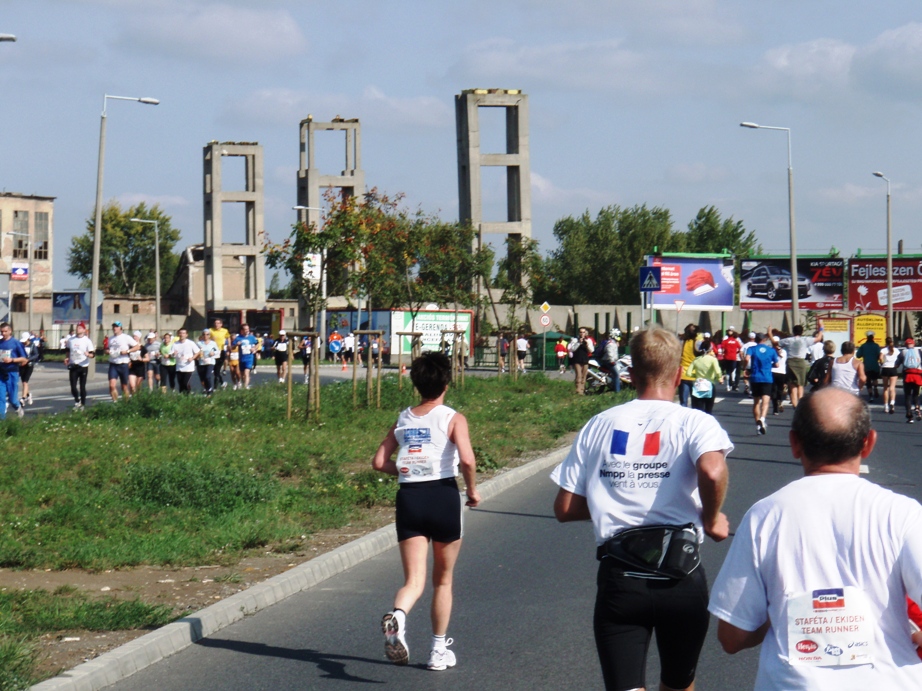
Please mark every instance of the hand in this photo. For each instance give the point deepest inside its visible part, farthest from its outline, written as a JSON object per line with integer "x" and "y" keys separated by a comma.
{"x": 719, "y": 529}
{"x": 473, "y": 498}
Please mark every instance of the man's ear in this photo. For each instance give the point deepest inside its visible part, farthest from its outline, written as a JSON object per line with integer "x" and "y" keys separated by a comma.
{"x": 869, "y": 442}
{"x": 797, "y": 449}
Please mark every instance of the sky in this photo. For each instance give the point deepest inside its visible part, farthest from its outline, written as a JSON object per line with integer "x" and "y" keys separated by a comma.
{"x": 630, "y": 103}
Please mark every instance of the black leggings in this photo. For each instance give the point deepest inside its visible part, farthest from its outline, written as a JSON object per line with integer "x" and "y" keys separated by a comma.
{"x": 628, "y": 610}
{"x": 185, "y": 381}
{"x": 910, "y": 398}
{"x": 168, "y": 372}
{"x": 78, "y": 376}
{"x": 206, "y": 377}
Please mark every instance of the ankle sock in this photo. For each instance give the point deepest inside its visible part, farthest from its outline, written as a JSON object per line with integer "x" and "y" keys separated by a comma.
{"x": 438, "y": 643}
{"x": 401, "y": 618}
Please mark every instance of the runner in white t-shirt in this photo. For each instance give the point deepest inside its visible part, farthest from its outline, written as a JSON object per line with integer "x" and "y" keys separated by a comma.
{"x": 818, "y": 573}
{"x": 80, "y": 351}
{"x": 186, "y": 352}
{"x": 121, "y": 345}
{"x": 648, "y": 463}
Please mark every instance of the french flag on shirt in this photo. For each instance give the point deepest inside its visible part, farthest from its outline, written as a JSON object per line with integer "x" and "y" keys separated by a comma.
{"x": 619, "y": 439}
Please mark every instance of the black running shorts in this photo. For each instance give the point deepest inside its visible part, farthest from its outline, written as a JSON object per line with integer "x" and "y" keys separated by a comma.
{"x": 628, "y": 610}
{"x": 137, "y": 368}
{"x": 25, "y": 372}
{"x": 430, "y": 509}
{"x": 760, "y": 389}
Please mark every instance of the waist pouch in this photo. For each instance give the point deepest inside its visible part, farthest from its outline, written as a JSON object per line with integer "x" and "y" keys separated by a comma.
{"x": 657, "y": 551}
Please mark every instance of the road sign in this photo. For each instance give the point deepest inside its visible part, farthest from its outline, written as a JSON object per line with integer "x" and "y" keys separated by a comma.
{"x": 545, "y": 308}
{"x": 679, "y": 304}
{"x": 545, "y": 320}
{"x": 650, "y": 279}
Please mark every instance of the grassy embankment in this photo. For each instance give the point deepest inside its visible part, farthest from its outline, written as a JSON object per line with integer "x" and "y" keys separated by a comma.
{"x": 170, "y": 480}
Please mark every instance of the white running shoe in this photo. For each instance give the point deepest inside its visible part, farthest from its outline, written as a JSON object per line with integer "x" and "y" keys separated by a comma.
{"x": 395, "y": 642}
{"x": 20, "y": 412}
{"x": 760, "y": 427}
{"x": 78, "y": 405}
{"x": 281, "y": 380}
{"x": 29, "y": 399}
{"x": 223, "y": 384}
{"x": 442, "y": 659}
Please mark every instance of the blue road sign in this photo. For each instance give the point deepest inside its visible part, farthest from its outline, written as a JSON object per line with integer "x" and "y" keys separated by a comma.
{"x": 650, "y": 279}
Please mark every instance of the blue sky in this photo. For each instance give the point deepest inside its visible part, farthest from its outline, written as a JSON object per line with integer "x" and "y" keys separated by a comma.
{"x": 631, "y": 103}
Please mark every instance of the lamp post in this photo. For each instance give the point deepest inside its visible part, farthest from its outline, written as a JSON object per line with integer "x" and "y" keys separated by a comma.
{"x": 880, "y": 175}
{"x": 8, "y": 37}
{"x": 156, "y": 225}
{"x": 322, "y": 326}
{"x": 795, "y": 277}
{"x": 97, "y": 229}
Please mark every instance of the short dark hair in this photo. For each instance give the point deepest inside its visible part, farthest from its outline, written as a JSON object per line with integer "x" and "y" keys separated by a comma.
{"x": 798, "y": 330}
{"x": 431, "y": 374}
{"x": 836, "y": 436}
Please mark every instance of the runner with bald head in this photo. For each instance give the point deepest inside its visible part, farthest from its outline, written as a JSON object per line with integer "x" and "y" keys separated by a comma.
{"x": 818, "y": 573}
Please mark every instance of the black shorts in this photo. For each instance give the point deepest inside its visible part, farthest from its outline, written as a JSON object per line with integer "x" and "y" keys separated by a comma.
{"x": 628, "y": 610}
{"x": 280, "y": 358}
{"x": 872, "y": 374}
{"x": 759, "y": 389}
{"x": 119, "y": 372}
{"x": 429, "y": 509}
{"x": 888, "y": 372}
{"x": 137, "y": 368}
{"x": 153, "y": 366}
{"x": 25, "y": 372}
{"x": 522, "y": 354}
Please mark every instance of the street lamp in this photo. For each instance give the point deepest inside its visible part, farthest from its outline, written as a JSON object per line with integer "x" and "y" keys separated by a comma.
{"x": 8, "y": 37}
{"x": 322, "y": 326}
{"x": 97, "y": 230}
{"x": 156, "y": 225}
{"x": 880, "y": 175}
{"x": 795, "y": 277}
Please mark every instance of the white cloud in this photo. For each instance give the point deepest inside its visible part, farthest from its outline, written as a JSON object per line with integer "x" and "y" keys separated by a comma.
{"x": 544, "y": 191}
{"x": 892, "y": 63}
{"x": 694, "y": 173}
{"x": 281, "y": 106}
{"x": 218, "y": 33}
{"x": 165, "y": 201}
{"x": 806, "y": 71}
{"x": 848, "y": 194}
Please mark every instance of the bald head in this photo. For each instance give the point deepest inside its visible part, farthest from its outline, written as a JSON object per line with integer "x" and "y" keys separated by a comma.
{"x": 831, "y": 426}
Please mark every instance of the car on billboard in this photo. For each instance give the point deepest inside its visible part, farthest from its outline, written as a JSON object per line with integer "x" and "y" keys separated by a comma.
{"x": 774, "y": 282}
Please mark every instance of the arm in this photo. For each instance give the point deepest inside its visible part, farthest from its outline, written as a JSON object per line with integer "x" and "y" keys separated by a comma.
{"x": 382, "y": 461}
{"x": 459, "y": 433}
{"x": 571, "y": 507}
{"x": 734, "y": 639}
{"x": 862, "y": 377}
{"x": 713, "y": 478}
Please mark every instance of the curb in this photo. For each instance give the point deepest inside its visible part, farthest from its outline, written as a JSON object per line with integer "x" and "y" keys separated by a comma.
{"x": 142, "y": 652}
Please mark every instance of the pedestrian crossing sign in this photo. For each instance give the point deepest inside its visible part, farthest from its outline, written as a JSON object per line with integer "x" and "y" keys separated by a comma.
{"x": 650, "y": 279}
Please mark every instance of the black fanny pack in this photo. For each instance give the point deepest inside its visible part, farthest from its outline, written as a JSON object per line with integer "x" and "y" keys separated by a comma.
{"x": 657, "y": 551}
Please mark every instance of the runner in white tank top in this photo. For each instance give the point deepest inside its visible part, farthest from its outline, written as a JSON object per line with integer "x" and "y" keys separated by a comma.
{"x": 847, "y": 371}
{"x": 426, "y": 452}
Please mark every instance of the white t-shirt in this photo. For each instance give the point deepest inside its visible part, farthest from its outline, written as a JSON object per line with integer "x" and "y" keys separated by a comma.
{"x": 425, "y": 453}
{"x": 521, "y": 344}
{"x": 118, "y": 345}
{"x": 185, "y": 352}
{"x": 745, "y": 350}
{"x": 781, "y": 366}
{"x": 209, "y": 352}
{"x": 889, "y": 359}
{"x": 635, "y": 464}
{"x": 806, "y": 547}
{"x": 349, "y": 343}
{"x": 816, "y": 351}
{"x": 78, "y": 347}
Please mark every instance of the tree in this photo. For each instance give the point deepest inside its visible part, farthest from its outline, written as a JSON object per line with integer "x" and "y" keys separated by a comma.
{"x": 126, "y": 251}
{"x": 707, "y": 233}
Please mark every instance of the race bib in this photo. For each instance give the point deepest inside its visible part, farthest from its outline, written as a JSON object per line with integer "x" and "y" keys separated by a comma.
{"x": 281, "y": 347}
{"x": 830, "y": 627}
{"x": 115, "y": 351}
{"x": 6, "y": 355}
{"x": 245, "y": 348}
{"x": 235, "y": 356}
{"x": 134, "y": 355}
{"x": 413, "y": 459}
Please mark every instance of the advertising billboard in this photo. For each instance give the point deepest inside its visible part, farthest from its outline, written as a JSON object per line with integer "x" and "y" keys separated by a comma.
{"x": 867, "y": 284}
{"x": 73, "y": 307}
{"x": 431, "y": 323}
{"x": 697, "y": 282}
{"x": 765, "y": 283}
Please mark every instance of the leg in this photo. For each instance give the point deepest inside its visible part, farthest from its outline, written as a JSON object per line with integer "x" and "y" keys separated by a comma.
{"x": 445, "y": 554}
{"x": 83, "y": 371}
{"x": 413, "y": 553}
{"x": 74, "y": 378}
{"x": 681, "y": 629}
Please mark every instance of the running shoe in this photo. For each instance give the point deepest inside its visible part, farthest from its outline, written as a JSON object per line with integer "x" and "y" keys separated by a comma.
{"x": 910, "y": 420}
{"x": 918, "y": 413}
{"x": 891, "y": 409}
{"x": 442, "y": 659}
{"x": 29, "y": 399}
{"x": 20, "y": 412}
{"x": 395, "y": 642}
{"x": 22, "y": 402}
{"x": 223, "y": 384}
{"x": 760, "y": 427}
{"x": 281, "y": 380}
{"x": 78, "y": 405}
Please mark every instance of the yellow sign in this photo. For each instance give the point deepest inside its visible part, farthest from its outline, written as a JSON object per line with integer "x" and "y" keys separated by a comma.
{"x": 545, "y": 307}
{"x": 870, "y": 322}
{"x": 837, "y": 325}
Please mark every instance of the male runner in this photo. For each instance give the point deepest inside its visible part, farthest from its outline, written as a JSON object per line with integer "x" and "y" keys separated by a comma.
{"x": 245, "y": 345}
{"x": 80, "y": 350}
{"x": 220, "y": 335}
{"x": 120, "y": 346}
{"x": 869, "y": 353}
{"x": 761, "y": 358}
{"x": 12, "y": 357}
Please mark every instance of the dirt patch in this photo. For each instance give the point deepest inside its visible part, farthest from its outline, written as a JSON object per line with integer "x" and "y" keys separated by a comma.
{"x": 186, "y": 589}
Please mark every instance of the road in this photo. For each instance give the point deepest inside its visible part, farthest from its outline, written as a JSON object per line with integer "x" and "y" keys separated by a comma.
{"x": 523, "y": 595}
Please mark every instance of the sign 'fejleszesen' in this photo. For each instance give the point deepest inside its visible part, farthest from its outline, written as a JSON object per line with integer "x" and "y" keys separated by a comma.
{"x": 867, "y": 284}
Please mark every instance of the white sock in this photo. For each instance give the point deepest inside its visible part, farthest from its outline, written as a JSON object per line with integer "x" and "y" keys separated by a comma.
{"x": 401, "y": 618}
{"x": 438, "y": 643}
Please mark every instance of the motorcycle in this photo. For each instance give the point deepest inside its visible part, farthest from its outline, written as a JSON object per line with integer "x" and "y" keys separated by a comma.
{"x": 600, "y": 380}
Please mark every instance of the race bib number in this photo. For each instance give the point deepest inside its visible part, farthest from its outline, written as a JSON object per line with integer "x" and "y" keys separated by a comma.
{"x": 282, "y": 347}
{"x": 115, "y": 351}
{"x": 830, "y": 627}
{"x": 245, "y": 348}
{"x": 235, "y": 356}
{"x": 413, "y": 460}
{"x": 134, "y": 355}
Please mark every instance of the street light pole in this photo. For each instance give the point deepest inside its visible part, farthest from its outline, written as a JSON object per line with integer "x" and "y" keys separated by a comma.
{"x": 889, "y": 259}
{"x": 795, "y": 277}
{"x": 97, "y": 229}
{"x": 7, "y": 37}
{"x": 156, "y": 225}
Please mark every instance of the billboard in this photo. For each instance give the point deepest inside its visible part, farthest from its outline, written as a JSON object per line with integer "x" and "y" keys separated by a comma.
{"x": 867, "y": 284}
{"x": 765, "y": 283}
{"x": 73, "y": 307}
{"x": 702, "y": 282}
{"x": 430, "y": 323}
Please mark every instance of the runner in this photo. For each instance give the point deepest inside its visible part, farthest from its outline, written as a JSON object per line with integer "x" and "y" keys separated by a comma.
{"x": 731, "y": 345}
{"x": 911, "y": 361}
{"x": 304, "y": 350}
{"x": 80, "y": 351}
{"x": 707, "y": 374}
{"x": 888, "y": 371}
{"x": 152, "y": 361}
{"x": 779, "y": 377}
{"x": 245, "y": 344}
{"x": 690, "y": 340}
{"x": 186, "y": 353}
{"x": 12, "y": 357}
{"x": 869, "y": 353}
{"x": 206, "y": 362}
{"x": 167, "y": 363}
{"x": 797, "y": 347}
{"x": 33, "y": 353}
{"x": 120, "y": 346}
{"x": 560, "y": 352}
{"x": 744, "y": 362}
{"x": 502, "y": 349}
{"x": 761, "y": 358}
{"x": 280, "y": 348}
{"x": 221, "y": 337}
{"x": 431, "y": 441}
{"x": 349, "y": 348}
{"x": 137, "y": 369}
{"x": 847, "y": 370}
{"x": 521, "y": 351}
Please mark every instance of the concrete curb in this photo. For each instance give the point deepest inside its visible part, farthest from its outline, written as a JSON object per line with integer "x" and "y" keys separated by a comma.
{"x": 142, "y": 652}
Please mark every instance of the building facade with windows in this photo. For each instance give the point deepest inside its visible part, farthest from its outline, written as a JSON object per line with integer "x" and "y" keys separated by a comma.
{"x": 26, "y": 235}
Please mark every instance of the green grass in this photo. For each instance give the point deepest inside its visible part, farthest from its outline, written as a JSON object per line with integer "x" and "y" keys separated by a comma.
{"x": 17, "y": 660}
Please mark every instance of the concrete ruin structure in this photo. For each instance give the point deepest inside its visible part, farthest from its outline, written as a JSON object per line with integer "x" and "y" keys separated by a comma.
{"x": 312, "y": 182}
{"x": 235, "y": 272}
{"x": 515, "y": 160}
